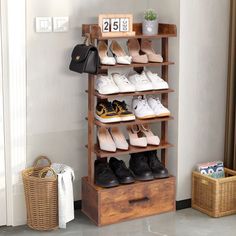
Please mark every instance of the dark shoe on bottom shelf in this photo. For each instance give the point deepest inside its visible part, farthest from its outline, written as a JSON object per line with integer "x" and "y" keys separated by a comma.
{"x": 123, "y": 174}
{"x": 104, "y": 177}
{"x": 138, "y": 164}
{"x": 158, "y": 169}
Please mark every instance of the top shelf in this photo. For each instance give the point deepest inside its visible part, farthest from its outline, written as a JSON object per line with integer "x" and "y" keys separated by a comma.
{"x": 164, "y": 31}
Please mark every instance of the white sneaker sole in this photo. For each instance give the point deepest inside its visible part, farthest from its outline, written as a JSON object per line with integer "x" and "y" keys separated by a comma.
{"x": 146, "y": 117}
{"x": 108, "y": 120}
{"x": 108, "y": 92}
{"x": 127, "y": 118}
{"x": 163, "y": 114}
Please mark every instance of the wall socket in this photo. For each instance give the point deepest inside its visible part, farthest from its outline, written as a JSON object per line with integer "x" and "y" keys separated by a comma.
{"x": 43, "y": 24}
{"x": 49, "y": 24}
{"x": 60, "y": 24}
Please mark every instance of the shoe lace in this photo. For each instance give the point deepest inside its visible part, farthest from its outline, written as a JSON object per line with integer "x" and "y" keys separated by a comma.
{"x": 122, "y": 167}
{"x": 159, "y": 102}
{"x": 125, "y": 80}
{"x": 122, "y": 106}
{"x": 106, "y": 80}
{"x": 105, "y": 171}
{"x": 144, "y": 102}
{"x": 154, "y": 161}
{"x": 108, "y": 108}
{"x": 143, "y": 79}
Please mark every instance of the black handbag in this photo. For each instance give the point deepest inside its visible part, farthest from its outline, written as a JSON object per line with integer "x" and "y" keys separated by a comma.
{"x": 84, "y": 59}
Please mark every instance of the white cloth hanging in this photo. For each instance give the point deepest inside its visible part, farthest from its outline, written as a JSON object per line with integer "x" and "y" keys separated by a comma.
{"x": 66, "y": 177}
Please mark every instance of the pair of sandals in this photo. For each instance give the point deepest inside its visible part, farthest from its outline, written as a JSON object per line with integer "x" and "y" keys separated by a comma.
{"x": 141, "y": 136}
{"x": 119, "y": 55}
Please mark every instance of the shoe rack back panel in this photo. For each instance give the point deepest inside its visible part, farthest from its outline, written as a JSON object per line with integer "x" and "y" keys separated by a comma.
{"x": 164, "y": 30}
{"x": 125, "y": 202}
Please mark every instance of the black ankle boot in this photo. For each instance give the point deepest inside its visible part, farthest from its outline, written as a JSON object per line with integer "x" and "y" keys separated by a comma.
{"x": 139, "y": 165}
{"x": 158, "y": 169}
{"x": 104, "y": 177}
{"x": 123, "y": 174}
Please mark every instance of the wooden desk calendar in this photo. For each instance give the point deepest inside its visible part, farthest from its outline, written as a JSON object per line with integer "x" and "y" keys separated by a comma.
{"x": 116, "y": 25}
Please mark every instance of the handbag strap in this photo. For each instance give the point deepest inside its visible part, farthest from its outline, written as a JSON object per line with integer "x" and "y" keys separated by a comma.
{"x": 87, "y": 40}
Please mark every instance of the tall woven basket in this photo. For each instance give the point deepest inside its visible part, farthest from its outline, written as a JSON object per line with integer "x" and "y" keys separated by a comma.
{"x": 41, "y": 195}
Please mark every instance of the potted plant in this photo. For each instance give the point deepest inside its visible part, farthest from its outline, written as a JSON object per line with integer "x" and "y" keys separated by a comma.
{"x": 150, "y": 25}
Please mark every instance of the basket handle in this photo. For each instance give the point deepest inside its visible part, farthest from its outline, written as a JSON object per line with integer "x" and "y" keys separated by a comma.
{"x": 45, "y": 170}
{"x": 40, "y": 158}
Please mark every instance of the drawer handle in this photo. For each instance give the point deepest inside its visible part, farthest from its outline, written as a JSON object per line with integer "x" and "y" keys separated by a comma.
{"x": 140, "y": 200}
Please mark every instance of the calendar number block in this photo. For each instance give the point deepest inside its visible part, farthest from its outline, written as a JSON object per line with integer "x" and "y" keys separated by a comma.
{"x": 106, "y": 25}
{"x": 115, "y": 25}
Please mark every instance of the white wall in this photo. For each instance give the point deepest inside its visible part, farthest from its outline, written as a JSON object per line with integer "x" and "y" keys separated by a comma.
{"x": 169, "y": 12}
{"x": 202, "y": 85}
{"x": 56, "y": 101}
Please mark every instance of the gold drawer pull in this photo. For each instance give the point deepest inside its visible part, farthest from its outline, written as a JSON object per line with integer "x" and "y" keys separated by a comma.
{"x": 140, "y": 200}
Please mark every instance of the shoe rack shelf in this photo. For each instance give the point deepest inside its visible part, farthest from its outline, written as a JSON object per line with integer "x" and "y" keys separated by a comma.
{"x": 138, "y": 65}
{"x": 125, "y": 202}
{"x": 135, "y": 122}
{"x": 151, "y": 92}
{"x": 132, "y": 149}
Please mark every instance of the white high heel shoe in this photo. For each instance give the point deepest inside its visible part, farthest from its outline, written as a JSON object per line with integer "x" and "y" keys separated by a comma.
{"x": 134, "y": 139}
{"x": 119, "y": 53}
{"x": 151, "y": 138}
{"x": 119, "y": 139}
{"x": 104, "y": 58}
{"x": 106, "y": 142}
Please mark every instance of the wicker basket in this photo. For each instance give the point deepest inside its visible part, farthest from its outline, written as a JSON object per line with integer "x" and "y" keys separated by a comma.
{"x": 41, "y": 194}
{"x": 215, "y": 197}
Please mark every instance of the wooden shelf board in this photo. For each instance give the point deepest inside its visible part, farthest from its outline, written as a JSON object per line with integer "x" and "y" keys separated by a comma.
{"x": 134, "y": 122}
{"x": 135, "y": 65}
{"x": 135, "y": 184}
{"x": 157, "y": 36}
{"x": 132, "y": 149}
{"x": 150, "y": 92}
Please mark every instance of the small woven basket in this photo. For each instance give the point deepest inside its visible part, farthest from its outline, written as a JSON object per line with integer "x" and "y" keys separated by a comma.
{"x": 41, "y": 195}
{"x": 215, "y": 197}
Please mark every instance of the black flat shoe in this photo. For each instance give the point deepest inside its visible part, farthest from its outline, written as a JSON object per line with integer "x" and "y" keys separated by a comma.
{"x": 123, "y": 174}
{"x": 158, "y": 169}
{"x": 104, "y": 177}
{"x": 139, "y": 166}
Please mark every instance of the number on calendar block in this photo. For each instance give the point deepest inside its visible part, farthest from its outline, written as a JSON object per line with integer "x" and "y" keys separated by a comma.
{"x": 124, "y": 25}
{"x": 115, "y": 25}
{"x": 106, "y": 25}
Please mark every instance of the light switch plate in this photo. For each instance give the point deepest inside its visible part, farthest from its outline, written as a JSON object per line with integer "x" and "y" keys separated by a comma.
{"x": 43, "y": 24}
{"x": 61, "y": 24}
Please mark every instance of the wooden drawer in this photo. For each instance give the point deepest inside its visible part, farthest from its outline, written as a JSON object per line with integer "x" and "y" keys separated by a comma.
{"x": 128, "y": 201}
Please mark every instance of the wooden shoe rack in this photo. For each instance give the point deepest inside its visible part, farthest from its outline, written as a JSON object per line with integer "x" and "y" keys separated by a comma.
{"x": 125, "y": 202}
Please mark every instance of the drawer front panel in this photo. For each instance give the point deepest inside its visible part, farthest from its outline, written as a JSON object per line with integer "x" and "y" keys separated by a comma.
{"x": 137, "y": 200}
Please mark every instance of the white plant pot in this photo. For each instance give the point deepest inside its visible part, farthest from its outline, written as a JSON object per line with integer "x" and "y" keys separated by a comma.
{"x": 150, "y": 27}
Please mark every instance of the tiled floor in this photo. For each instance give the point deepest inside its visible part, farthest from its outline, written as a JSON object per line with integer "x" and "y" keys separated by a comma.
{"x": 186, "y": 222}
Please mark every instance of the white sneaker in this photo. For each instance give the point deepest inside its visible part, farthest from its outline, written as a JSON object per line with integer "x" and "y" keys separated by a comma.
{"x": 123, "y": 83}
{"x": 157, "y": 82}
{"x": 157, "y": 107}
{"x": 106, "y": 85}
{"x": 141, "y": 82}
{"x": 141, "y": 109}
